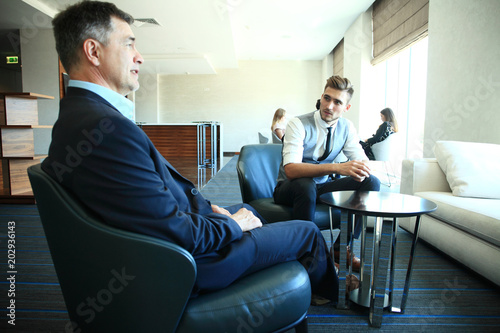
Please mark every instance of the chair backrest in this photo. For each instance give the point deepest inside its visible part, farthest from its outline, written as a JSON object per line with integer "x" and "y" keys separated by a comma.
{"x": 138, "y": 283}
{"x": 382, "y": 150}
{"x": 257, "y": 168}
{"x": 263, "y": 138}
{"x": 276, "y": 139}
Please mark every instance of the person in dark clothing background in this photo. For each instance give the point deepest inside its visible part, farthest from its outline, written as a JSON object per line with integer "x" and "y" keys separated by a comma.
{"x": 389, "y": 125}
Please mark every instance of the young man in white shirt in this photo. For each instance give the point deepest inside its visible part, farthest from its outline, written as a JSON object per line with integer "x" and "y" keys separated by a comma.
{"x": 311, "y": 143}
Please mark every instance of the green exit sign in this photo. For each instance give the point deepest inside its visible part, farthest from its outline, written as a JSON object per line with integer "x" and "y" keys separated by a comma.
{"x": 12, "y": 60}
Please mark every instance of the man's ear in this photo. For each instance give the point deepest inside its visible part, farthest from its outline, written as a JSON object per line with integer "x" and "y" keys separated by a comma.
{"x": 348, "y": 106}
{"x": 91, "y": 50}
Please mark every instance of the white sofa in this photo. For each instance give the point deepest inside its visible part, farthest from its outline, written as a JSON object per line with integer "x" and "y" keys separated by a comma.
{"x": 466, "y": 224}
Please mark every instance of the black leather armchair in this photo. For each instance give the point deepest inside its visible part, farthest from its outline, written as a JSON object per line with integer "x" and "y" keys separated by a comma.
{"x": 257, "y": 168}
{"x": 118, "y": 281}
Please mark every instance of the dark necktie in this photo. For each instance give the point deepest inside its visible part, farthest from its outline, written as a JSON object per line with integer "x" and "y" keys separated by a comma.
{"x": 328, "y": 147}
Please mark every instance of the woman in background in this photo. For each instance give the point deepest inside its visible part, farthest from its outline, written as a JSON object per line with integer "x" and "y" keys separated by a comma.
{"x": 389, "y": 126}
{"x": 279, "y": 123}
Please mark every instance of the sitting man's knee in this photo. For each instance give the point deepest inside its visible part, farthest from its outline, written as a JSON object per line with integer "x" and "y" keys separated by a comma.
{"x": 304, "y": 185}
{"x": 307, "y": 227}
{"x": 373, "y": 183}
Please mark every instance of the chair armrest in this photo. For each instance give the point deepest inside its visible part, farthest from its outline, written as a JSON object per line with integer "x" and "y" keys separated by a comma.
{"x": 146, "y": 282}
{"x": 422, "y": 175}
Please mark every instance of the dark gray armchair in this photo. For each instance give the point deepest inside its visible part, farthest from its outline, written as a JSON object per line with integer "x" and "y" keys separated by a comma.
{"x": 257, "y": 168}
{"x": 118, "y": 281}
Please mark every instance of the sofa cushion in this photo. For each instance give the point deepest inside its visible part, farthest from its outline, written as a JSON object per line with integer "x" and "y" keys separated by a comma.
{"x": 479, "y": 217}
{"x": 471, "y": 168}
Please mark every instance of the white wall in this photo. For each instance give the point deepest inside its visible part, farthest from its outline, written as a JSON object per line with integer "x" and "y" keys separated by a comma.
{"x": 463, "y": 82}
{"x": 243, "y": 99}
{"x": 40, "y": 75}
{"x": 146, "y": 98}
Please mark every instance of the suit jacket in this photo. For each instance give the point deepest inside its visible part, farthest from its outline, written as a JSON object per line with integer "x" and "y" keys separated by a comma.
{"x": 110, "y": 164}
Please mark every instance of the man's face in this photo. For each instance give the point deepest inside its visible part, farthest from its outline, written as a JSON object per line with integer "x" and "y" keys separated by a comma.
{"x": 333, "y": 103}
{"x": 120, "y": 60}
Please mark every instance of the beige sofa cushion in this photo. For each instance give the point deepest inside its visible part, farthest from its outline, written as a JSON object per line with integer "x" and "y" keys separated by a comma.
{"x": 480, "y": 217}
{"x": 471, "y": 168}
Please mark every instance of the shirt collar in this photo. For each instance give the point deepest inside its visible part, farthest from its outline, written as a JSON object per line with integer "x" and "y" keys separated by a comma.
{"x": 321, "y": 123}
{"x": 121, "y": 103}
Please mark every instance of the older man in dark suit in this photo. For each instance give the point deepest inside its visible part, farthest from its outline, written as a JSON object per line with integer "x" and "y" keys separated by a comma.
{"x": 110, "y": 164}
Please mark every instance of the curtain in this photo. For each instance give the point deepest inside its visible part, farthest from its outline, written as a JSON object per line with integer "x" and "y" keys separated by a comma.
{"x": 397, "y": 24}
{"x": 338, "y": 59}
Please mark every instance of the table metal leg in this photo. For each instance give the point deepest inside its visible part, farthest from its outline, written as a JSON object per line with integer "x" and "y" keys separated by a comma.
{"x": 343, "y": 296}
{"x": 375, "y": 261}
{"x": 332, "y": 241}
{"x": 410, "y": 267}
{"x": 393, "y": 259}
{"x": 362, "y": 253}
{"x": 350, "y": 239}
{"x": 381, "y": 258}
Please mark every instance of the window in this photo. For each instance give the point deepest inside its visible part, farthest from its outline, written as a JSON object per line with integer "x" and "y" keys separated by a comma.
{"x": 403, "y": 79}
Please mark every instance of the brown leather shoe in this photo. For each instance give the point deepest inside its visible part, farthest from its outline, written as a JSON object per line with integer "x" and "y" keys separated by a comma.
{"x": 351, "y": 283}
{"x": 317, "y": 300}
{"x": 356, "y": 262}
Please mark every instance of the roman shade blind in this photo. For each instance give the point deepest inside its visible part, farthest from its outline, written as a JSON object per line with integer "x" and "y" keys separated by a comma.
{"x": 397, "y": 24}
{"x": 338, "y": 59}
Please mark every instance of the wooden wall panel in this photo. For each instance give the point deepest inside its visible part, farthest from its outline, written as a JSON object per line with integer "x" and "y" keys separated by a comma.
{"x": 17, "y": 142}
{"x": 4, "y": 179}
{"x": 3, "y": 120}
{"x": 22, "y": 110}
{"x": 177, "y": 141}
{"x": 19, "y": 181}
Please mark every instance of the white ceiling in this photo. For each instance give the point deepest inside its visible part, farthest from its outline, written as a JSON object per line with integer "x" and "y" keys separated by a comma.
{"x": 201, "y": 36}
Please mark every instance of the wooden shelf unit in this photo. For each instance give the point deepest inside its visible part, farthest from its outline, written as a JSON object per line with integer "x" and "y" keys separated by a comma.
{"x": 18, "y": 119}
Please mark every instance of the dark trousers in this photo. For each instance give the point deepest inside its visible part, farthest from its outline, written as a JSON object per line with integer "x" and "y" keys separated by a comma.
{"x": 302, "y": 194}
{"x": 368, "y": 150}
{"x": 266, "y": 246}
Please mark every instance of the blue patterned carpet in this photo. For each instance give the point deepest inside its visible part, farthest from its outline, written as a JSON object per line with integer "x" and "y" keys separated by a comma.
{"x": 224, "y": 189}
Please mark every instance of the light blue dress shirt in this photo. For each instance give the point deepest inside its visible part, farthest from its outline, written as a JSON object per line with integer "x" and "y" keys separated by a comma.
{"x": 121, "y": 103}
